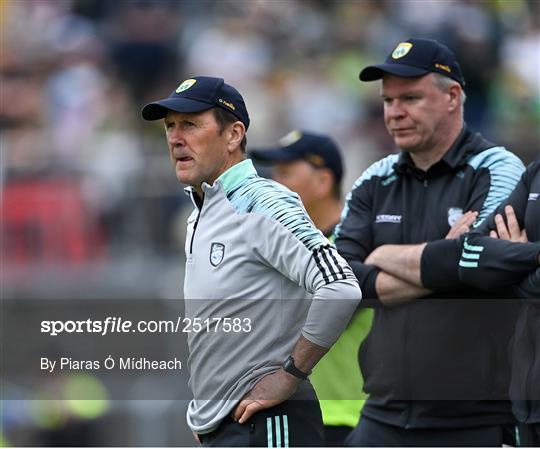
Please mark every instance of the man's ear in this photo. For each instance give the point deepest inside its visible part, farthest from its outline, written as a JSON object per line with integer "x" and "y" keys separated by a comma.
{"x": 325, "y": 181}
{"x": 237, "y": 132}
{"x": 455, "y": 97}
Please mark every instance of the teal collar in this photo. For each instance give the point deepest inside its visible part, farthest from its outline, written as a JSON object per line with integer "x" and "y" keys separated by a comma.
{"x": 232, "y": 177}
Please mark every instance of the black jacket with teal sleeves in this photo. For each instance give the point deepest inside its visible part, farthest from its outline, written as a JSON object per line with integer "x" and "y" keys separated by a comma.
{"x": 421, "y": 354}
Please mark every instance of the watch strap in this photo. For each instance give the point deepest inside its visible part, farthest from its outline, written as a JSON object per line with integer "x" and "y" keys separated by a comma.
{"x": 291, "y": 368}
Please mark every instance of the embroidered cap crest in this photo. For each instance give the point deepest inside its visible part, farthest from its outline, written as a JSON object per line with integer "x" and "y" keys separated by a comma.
{"x": 185, "y": 85}
{"x": 401, "y": 50}
{"x": 289, "y": 139}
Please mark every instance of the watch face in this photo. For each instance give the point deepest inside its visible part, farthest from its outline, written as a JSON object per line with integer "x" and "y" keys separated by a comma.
{"x": 289, "y": 364}
{"x": 292, "y": 369}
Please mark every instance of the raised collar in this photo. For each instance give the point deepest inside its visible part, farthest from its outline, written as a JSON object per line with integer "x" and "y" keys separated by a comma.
{"x": 228, "y": 180}
{"x": 231, "y": 178}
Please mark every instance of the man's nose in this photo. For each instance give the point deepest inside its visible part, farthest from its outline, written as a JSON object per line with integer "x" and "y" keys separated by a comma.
{"x": 394, "y": 110}
{"x": 176, "y": 138}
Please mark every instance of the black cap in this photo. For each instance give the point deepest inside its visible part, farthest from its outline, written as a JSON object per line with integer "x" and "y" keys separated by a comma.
{"x": 416, "y": 57}
{"x": 198, "y": 94}
{"x": 319, "y": 150}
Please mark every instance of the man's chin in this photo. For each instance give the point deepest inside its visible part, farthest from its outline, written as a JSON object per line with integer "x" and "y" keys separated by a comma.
{"x": 406, "y": 145}
{"x": 183, "y": 178}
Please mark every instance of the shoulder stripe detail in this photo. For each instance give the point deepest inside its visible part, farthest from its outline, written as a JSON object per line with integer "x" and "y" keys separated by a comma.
{"x": 465, "y": 264}
{"x": 329, "y": 265}
{"x": 472, "y": 247}
{"x": 285, "y": 431}
{"x": 505, "y": 170}
{"x": 260, "y": 195}
{"x": 278, "y": 430}
{"x": 471, "y": 256}
{"x": 381, "y": 169}
{"x": 321, "y": 267}
{"x": 336, "y": 264}
{"x": 269, "y": 438}
{"x": 470, "y": 253}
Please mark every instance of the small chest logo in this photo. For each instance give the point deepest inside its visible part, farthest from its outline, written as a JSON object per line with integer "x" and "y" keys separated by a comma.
{"x": 217, "y": 251}
{"x": 454, "y": 214}
{"x": 387, "y": 218}
{"x": 534, "y": 196}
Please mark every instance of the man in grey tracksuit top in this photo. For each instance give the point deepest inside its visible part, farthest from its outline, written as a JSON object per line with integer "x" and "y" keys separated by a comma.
{"x": 262, "y": 280}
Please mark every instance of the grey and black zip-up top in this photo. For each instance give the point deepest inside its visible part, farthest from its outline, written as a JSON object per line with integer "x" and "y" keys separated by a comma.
{"x": 256, "y": 259}
{"x": 495, "y": 265}
{"x": 424, "y": 352}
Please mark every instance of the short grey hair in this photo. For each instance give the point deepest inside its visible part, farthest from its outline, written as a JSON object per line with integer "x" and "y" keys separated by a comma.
{"x": 444, "y": 83}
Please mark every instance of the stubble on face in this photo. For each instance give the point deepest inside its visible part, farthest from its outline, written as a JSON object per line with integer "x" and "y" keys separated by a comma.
{"x": 196, "y": 147}
{"x": 413, "y": 111}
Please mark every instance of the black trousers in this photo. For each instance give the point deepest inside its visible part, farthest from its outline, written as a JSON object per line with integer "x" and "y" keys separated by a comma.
{"x": 335, "y": 436}
{"x": 296, "y": 422}
{"x": 529, "y": 435}
{"x": 370, "y": 433}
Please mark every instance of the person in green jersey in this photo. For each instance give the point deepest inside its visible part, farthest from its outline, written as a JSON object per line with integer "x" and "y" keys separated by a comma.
{"x": 311, "y": 165}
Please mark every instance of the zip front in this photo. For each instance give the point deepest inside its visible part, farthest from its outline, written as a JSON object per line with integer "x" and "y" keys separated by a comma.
{"x": 193, "y": 233}
{"x": 198, "y": 203}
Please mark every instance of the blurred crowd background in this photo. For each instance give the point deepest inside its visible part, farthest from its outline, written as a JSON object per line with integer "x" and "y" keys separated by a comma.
{"x": 90, "y": 204}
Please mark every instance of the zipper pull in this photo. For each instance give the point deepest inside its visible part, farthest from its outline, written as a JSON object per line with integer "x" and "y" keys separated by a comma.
{"x": 425, "y": 183}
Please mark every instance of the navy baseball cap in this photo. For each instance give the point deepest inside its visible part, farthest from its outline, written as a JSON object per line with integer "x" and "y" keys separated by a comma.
{"x": 198, "y": 94}
{"x": 319, "y": 150}
{"x": 417, "y": 57}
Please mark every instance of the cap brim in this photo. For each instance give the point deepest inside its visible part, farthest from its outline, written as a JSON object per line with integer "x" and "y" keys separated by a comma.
{"x": 376, "y": 72}
{"x": 158, "y": 109}
{"x": 273, "y": 155}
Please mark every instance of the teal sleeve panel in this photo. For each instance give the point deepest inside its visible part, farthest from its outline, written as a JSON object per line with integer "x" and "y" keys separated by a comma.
{"x": 354, "y": 239}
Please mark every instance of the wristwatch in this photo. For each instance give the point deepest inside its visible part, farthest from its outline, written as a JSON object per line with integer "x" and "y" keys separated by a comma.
{"x": 290, "y": 367}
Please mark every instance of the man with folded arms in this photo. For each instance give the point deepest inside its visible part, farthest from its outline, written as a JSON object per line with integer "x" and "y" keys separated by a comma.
{"x": 434, "y": 362}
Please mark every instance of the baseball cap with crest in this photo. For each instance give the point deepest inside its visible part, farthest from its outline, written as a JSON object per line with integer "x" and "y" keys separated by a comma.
{"x": 198, "y": 94}
{"x": 317, "y": 149}
{"x": 417, "y": 57}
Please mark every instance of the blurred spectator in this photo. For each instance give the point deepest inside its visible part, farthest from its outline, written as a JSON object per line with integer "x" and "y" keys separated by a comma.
{"x": 224, "y": 49}
{"x": 72, "y": 87}
{"x": 141, "y": 35}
